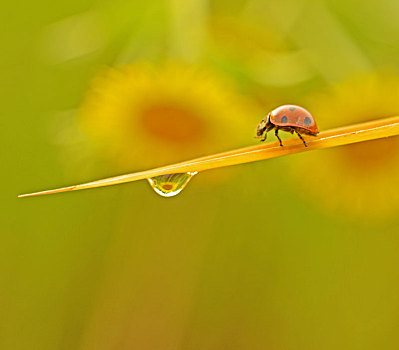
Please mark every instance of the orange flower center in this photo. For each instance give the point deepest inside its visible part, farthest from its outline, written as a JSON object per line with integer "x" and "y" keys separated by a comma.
{"x": 167, "y": 187}
{"x": 372, "y": 155}
{"x": 172, "y": 124}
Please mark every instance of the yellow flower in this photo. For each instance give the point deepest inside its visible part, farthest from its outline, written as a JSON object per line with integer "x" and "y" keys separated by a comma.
{"x": 143, "y": 116}
{"x": 258, "y": 51}
{"x": 243, "y": 38}
{"x": 358, "y": 180}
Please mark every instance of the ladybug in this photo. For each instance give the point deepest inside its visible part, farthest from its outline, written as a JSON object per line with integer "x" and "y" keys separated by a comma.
{"x": 288, "y": 118}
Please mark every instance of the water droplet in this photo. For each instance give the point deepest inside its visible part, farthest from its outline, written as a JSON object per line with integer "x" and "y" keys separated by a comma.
{"x": 171, "y": 184}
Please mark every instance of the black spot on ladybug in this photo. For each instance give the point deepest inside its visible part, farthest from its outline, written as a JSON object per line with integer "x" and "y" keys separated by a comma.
{"x": 292, "y": 108}
{"x": 284, "y": 119}
{"x": 308, "y": 121}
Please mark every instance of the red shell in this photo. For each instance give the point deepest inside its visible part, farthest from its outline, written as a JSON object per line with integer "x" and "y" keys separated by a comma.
{"x": 295, "y": 116}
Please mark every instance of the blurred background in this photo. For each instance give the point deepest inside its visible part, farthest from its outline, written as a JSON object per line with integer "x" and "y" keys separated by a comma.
{"x": 298, "y": 252}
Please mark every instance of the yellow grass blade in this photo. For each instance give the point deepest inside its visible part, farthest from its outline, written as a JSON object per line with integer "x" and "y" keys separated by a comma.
{"x": 331, "y": 138}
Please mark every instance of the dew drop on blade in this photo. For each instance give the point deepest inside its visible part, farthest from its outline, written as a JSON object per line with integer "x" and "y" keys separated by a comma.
{"x": 171, "y": 184}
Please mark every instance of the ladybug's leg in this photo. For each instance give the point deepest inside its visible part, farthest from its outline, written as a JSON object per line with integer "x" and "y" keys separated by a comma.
{"x": 264, "y": 137}
{"x": 266, "y": 131}
{"x": 300, "y": 136}
{"x": 276, "y": 133}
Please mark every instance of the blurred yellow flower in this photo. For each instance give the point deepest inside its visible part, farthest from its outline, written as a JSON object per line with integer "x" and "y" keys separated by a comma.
{"x": 244, "y": 38}
{"x": 258, "y": 51}
{"x": 143, "y": 116}
{"x": 357, "y": 180}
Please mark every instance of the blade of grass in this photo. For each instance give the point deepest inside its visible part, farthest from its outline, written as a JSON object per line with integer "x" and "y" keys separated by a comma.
{"x": 331, "y": 138}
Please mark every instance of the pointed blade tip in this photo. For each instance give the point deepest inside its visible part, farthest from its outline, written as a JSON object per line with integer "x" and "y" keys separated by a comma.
{"x": 58, "y": 190}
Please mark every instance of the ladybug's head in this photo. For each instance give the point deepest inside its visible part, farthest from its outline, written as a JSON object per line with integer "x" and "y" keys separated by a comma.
{"x": 262, "y": 126}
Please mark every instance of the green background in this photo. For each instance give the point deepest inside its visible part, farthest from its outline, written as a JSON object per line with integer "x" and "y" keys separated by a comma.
{"x": 246, "y": 262}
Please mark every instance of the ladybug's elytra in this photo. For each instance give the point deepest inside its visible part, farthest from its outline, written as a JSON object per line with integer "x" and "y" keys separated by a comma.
{"x": 288, "y": 118}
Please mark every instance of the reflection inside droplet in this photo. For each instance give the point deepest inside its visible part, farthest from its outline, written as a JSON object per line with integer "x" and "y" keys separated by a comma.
{"x": 171, "y": 184}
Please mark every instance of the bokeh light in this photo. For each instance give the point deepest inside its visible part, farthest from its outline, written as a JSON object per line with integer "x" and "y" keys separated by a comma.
{"x": 298, "y": 252}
